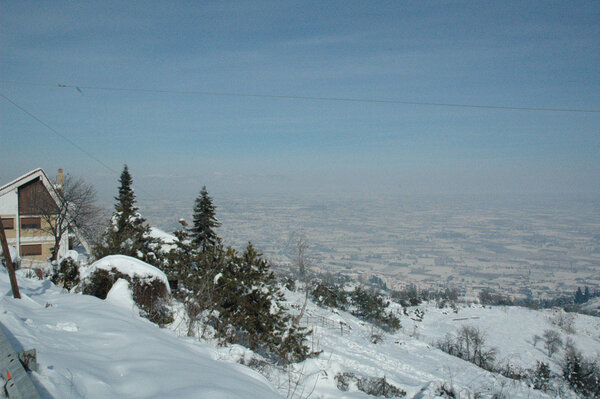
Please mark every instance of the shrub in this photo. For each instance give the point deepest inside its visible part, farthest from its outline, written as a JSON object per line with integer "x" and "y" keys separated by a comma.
{"x": 469, "y": 345}
{"x": 379, "y": 387}
{"x": 445, "y": 391}
{"x": 370, "y": 306}
{"x": 293, "y": 347}
{"x": 409, "y": 297}
{"x": 66, "y": 273}
{"x": 486, "y": 297}
{"x": 375, "y": 386}
{"x": 553, "y": 342}
{"x": 541, "y": 377}
{"x": 150, "y": 295}
{"x": 514, "y": 372}
{"x": 101, "y": 281}
{"x": 330, "y": 295}
{"x": 583, "y": 375}
{"x": 565, "y": 321}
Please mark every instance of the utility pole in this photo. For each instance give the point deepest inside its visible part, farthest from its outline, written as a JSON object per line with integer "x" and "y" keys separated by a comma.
{"x": 9, "y": 264}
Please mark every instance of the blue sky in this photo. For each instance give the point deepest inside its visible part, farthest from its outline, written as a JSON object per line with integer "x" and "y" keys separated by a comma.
{"x": 522, "y": 54}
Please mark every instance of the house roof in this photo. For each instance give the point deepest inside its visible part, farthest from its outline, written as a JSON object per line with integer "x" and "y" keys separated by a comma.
{"x": 26, "y": 178}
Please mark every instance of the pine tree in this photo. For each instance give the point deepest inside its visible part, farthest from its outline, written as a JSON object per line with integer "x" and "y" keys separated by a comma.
{"x": 182, "y": 257}
{"x": 586, "y": 294}
{"x": 202, "y": 232}
{"x": 579, "y": 298}
{"x": 251, "y": 310}
{"x": 128, "y": 233}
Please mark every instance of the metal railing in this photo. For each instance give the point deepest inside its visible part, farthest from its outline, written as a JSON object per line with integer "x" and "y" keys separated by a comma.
{"x": 18, "y": 382}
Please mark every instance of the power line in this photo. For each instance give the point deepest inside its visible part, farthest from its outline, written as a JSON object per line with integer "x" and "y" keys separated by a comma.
{"x": 310, "y": 98}
{"x": 74, "y": 144}
{"x": 59, "y": 134}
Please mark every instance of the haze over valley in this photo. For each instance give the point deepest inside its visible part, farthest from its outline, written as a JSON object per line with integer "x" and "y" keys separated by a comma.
{"x": 516, "y": 246}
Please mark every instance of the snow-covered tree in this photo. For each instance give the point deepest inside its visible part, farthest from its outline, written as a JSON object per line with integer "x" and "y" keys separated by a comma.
{"x": 251, "y": 308}
{"x": 204, "y": 222}
{"x": 128, "y": 233}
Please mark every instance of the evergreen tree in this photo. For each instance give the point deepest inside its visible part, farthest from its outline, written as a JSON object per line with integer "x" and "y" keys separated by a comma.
{"x": 251, "y": 310}
{"x": 236, "y": 294}
{"x": 182, "y": 257}
{"x": 202, "y": 232}
{"x": 579, "y": 298}
{"x": 128, "y": 233}
{"x": 586, "y": 294}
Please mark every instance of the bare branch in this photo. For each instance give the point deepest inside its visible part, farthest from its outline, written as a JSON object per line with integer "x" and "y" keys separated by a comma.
{"x": 74, "y": 209}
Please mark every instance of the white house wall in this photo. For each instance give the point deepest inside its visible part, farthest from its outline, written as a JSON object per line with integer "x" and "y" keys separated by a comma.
{"x": 9, "y": 203}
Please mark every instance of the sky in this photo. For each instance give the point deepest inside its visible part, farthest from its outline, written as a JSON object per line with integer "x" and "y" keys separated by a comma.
{"x": 515, "y": 54}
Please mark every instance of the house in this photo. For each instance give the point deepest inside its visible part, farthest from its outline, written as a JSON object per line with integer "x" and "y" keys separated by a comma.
{"x": 25, "y": 228}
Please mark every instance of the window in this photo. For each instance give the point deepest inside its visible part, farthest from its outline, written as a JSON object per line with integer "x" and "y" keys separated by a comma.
{"x": 8, "y": 223}
{"x": 31, "y": 223}
{"x": 31, "y": 250}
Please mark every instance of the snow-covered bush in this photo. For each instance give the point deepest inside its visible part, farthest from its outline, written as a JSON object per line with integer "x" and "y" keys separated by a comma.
{"x": 553, "y": 342}
{"x": 541, "y": 377}
{"x": 329, "y": 295}
{"x": 374, "y": 386}
{"x": 410, "y": 297}
{"x": 65, "y": 273}
{"x": 152, "y": 297}
{"x": 583, "y": 375}
{"x": 371, "y": 306}
{"x": 100, "y": 282}
{"x": 565, "y": 321}
{"x": 446, "y": 391}
{"x": 149, "y": 286}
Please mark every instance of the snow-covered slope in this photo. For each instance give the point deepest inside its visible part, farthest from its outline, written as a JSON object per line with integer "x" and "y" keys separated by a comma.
{"x": 407, "y": 362}
{"x": 102, "y": 349}
{"x": 89, "y": 348}
{"x": 511, "y": 330}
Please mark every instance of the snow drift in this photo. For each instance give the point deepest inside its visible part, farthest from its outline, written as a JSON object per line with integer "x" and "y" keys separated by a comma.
{"x": 89, "y": 348}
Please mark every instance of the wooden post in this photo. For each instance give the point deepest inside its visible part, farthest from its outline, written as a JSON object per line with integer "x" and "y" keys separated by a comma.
{"x": 9, "y": 264}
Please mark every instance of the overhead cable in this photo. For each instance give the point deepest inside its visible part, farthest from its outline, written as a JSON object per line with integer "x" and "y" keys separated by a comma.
{"x": 309, "y": 98}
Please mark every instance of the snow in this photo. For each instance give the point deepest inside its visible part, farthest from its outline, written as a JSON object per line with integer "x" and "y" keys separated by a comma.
{"x": 165, "y": 237}
{"x": 89, "y": 348}
{"x": 168, "y": 240}
{"x": 13, "y": 254}
{"x": 120, "y": 295}
{"x": 510, "y": 329}
{"x": 410, "y": 361}
{"x": 127, "y": 265}
{"x": 592, "y": 305}
{"x": 95, "y": 349}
